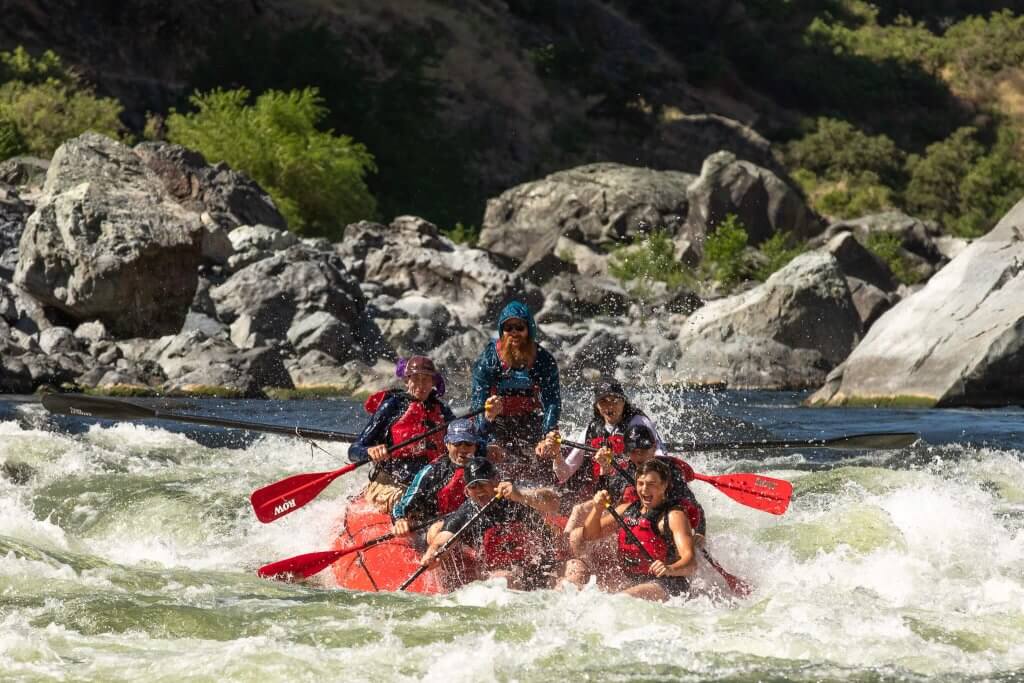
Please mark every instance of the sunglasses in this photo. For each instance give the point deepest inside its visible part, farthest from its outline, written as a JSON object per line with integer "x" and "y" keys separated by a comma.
{"x": 514, "y": 327}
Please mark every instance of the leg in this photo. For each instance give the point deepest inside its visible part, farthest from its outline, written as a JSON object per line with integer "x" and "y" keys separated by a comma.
{"x": 434, "y": 530}
{"x": 647, "y": 591}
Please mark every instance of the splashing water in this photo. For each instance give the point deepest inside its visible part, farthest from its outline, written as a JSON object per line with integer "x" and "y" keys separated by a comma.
{"x": 127, "y": 552}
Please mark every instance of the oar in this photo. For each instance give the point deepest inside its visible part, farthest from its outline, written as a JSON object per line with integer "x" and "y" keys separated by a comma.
{"x": 280, "y": 498}
{"x": 114, "y": 409}
{"x": 851, "y": 442}
{"x": 444, "y": 548}
{"x": 736, "y": 584}
{"x": 753, "y": 490}
{"x": 304, "y": 566}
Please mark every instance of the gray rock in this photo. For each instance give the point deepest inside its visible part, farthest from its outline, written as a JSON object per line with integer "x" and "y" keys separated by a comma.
{"x": 201, "y": 322}
{"x": 410, "y": 256}
{"x": 959, "y": 341}
{"x": 92, "y": 331}
{"x": 261, "y": 238}
{"x": 106, "y": 241}
{"x": 56, "y": 340}
{"x": 594, "y": 204}
{"x": 870, "y": 301}
{"x": 320, "y": 331}
{"x": 319, "y": 370}
{"x": 194, "y": 363}
{"x": 13, "y": 214}
{"x": 228, "y": 197}
{"x": 918, "y": 237}
{"x": 857, "y": 262}
{"x": 760, "y": 199}
{"x": 264, "y": 300}
{"x": 786, "y": 333}
{"x": 23, "y": 171}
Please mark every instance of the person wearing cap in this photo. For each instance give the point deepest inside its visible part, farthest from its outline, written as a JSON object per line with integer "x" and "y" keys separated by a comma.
{"x": 439, "y": 488}
{"x": 613, "y": 414}
{"x": 510, "y": 539}
{"x": 396, "y": 416}
{"x": 517, "y": 381}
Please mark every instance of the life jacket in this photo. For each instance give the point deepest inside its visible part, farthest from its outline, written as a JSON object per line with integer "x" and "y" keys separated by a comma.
{"x": 678, "y": 493}
{"x": 505, "y": 545}
{"x": 660, "y": 545}
{"x": 452, "y": 494}
{"x": 520, "y": 395}
{"x": 418, "y": 417}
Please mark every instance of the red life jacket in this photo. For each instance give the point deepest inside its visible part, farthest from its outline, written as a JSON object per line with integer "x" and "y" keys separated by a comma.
{"x": 660, "y": 545}
{"x": 505, "y": 545}
{"x": 516, "y": 402}
{"x": 418, "y": 417}
{"x": 452, "y": 494}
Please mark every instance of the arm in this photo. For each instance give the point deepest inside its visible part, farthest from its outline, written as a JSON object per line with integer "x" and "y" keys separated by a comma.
{"x": 544, "y": 501}
{"x": 430, "y": 557}
{"x": 412, "y": 502}
{"x": 567, "y": 466}
{"x": 550, "y": 390}
{"x": 483, "y": 379}
{"x": 375, "y": 432}
{"x": 682, "y": 535}
{"x": 598, "y": 523}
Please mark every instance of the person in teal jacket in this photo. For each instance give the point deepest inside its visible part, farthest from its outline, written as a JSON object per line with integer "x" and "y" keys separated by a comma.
{"x": 516, "y": 380}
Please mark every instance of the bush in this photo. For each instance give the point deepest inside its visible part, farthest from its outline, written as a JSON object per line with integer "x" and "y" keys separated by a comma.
{"x": 888, "y": 247}
{"x": 316, "y": 178}
{"x": 43, "y": 103}
{"x": 651, "y": 260}
{"x": 723, "y": 252}
{"x": 836, "y": 150}
{"x": 777, "y": 251}
{"x": 991, "y": 187}
{"x": 463, "y": 234}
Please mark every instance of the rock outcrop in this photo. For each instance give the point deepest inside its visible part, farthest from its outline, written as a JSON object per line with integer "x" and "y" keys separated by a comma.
{"x": 957, "y": 341}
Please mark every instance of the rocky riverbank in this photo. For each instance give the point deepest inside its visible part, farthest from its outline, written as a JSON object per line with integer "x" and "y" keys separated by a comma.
{"x": 146, "y": 270}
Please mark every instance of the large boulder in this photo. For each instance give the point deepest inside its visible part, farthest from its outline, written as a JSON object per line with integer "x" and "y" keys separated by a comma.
{"x": 957, "y": 341}
{"x": 107, "y": 242}
{"x": 784, "y": 334}
{"x": 14, "y": 212}
{"x": 760, "y": 199}
{"x": 411, "y": 256}
{"x": 595, "y": 204}
{"x": 270, "y": 299}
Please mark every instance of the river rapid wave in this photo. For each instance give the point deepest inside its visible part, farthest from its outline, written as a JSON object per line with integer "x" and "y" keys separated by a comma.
{"x": 128, "y": 552}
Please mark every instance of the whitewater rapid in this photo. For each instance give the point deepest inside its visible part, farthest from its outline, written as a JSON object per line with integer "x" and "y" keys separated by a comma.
{"x": 128, "y": 552}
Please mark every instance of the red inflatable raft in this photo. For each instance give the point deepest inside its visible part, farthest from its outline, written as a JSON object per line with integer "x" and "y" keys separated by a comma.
{"x": 386, "y": 566}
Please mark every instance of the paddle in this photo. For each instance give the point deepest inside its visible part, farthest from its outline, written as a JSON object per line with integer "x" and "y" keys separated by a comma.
{"x": 304, "y": 566}
{"x": 283, "y": 497}
{"x": 851, "y": 442}
{"x": 444, "y": 548}
{"x": 114, "y": 409}
{"x": 753, "y": 490}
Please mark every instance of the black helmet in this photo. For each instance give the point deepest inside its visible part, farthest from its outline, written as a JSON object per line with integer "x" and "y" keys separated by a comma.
{"x": 479, "y": 469}
{"x": 639, "y": 436}
{"x": 608, "y": 386}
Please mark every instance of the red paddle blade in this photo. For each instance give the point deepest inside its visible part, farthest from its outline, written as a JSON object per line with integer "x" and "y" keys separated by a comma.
{"x": 300, "y": 566}
{"x": 288, "y": 495}
{"x": 753, "y": 490}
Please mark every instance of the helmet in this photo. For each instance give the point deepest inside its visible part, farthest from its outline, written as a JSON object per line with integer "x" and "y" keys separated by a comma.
{"x": 639, "y": 436}
{"x": 479, "y": 469}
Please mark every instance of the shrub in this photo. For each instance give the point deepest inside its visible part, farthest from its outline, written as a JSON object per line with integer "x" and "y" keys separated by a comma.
{"x": 888, "y": 247}
{"x": 650, "y": 260}
{"x": 777, "y": 251}
{"x": 463, "y": 234}
{"x": 836, "y": 150}
{"x": 724, "y": 252}
{"x": 316, "y": 178}
{"x": 993, "y": 185}
{"x": 43, "y": 103}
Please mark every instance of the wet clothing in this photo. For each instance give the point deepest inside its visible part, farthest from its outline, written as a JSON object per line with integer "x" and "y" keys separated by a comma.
{"x": 678, "y": 493}
{"x": 437, "y": 489}
{"x": 507, "y": 535}
{"x": 397, "y": 417}
{"x": 580, "y": 476}
{"x": 655, "y": 536}
{"x": 533, "y": 392}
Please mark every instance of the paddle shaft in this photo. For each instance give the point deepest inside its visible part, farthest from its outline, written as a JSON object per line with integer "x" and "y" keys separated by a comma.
{"x": 444, "y": 548}
{"x": 104, "y": 408}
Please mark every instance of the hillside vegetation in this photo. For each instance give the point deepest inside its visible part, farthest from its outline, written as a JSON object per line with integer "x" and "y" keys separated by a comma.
{"x": 917, "y": 106}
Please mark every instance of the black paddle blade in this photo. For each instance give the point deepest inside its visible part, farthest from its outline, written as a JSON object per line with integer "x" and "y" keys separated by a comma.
{"x": 95, "y": 406}
{"x": 853, "y": 442}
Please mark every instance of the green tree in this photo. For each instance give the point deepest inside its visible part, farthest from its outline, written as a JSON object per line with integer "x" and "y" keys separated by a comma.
{"x": 991, "y": 187}
{"x": 650, "y": 260}
{"x": 934, "y": 187}
{"x": 776, "y": 252}
{"x": 724, "y": 252}
{"x": 43, "y": 103}
{"x": 836, "y": 150}
{"x": 316, "y": 178}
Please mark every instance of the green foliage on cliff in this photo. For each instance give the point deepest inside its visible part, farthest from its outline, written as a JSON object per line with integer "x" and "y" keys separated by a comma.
{"x": 317, "y": 178}
{"x": 888, "y": 247}
{"x": 724, "y": 249}
{"x": 651, "y": 259}
{"x": 43, "y": 103}
{"x": 776, "y": 252}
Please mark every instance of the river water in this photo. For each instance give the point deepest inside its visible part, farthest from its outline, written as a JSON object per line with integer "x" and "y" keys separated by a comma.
{"x": 128, "y": 552}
